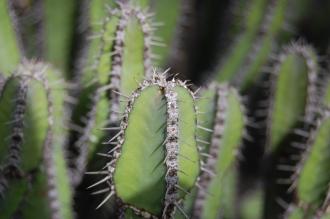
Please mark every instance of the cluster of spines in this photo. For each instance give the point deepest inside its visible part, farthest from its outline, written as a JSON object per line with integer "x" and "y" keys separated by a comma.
{"x": 172, "y": 151}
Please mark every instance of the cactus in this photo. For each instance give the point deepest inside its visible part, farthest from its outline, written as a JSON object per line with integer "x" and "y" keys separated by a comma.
{"x": 215, "y": 194}
{"x": 310, "y": 178}
{"x": 8, "y": 41}
{"x": 287, "y": 132}
{"x": 219, "y": 167}
{"x": 253, "y": 19}
{"x": 167, "y": 27}
{"x": 130, "y": 62}
{"x": 297, "y": 64}
{"x": 167, "y": 149}
{"x": 32, "y": 158}
{"x": 59, "y": 31}
{"x": 98, "y": 126}
{"x": 244, "y": 64}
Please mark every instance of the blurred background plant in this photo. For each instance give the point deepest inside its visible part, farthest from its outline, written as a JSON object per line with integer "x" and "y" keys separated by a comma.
{"x": 86, "y": 120}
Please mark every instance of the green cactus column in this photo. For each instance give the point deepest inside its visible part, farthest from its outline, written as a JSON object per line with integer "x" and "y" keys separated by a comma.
{"x": 216, "y": 194}
{"x": 293, "y": 91}
{"x": 10, "y": 54}
{"x": 293, "y": 100}
{"x": 119, "y": 58}
{"x": 167, "y": 13}
{"x": 239, "y": 51}
{"x": 272, "y": 26}
{"x": 58, "y": 30}
{"x": 33, "y": 178}
{"x": 155, "y": 159}
{"x": 311, "y": 177}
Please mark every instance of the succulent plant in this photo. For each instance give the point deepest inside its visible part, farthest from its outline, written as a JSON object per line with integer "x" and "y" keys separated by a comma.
{"x": 34, "y": 179}
{"x": 164, "y": 109}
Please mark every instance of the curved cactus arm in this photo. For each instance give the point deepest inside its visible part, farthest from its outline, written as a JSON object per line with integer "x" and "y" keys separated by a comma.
{"x": 35, "y": 149}
{"x": 273, "y": 23}
{"x": 242, "y": 45}
{"x": 310, "y": 178}
{"x": 293, "y": 90}
{"x": 216, "y": 193}
{"x": 8, "y": 41}
{"x": 158, "y": 129}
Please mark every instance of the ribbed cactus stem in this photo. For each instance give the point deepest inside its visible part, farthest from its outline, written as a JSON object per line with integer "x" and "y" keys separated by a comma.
{"x": 14, "y": 156}
{"x": 310, "y": 178}
{"x": 122, "y": 60}
{"x": 127, "y": 12}
{"x": 216, "y": 184}
{"x": 173, "y": 159}
{"x": 296, "y": 62}
{"x": 35, "y": 162}
{"x": 219, "y": 126}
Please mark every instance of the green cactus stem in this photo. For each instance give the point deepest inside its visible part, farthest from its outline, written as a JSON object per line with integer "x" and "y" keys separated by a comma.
{"x": 33, "y": 168}
{"x": 234, "y": 60}
{"x": 167, "y": 13}
{"x": 273, "y": 24}
{"x": 8, "y": 40}
{"x": 155, "y": 149}
{"x": 122, "y": 47}
{"x": 215, "y": 195}
{"x": 58, "y": 31}
{"x": 293, "y": 91}
{"x": 311, "y": 177}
